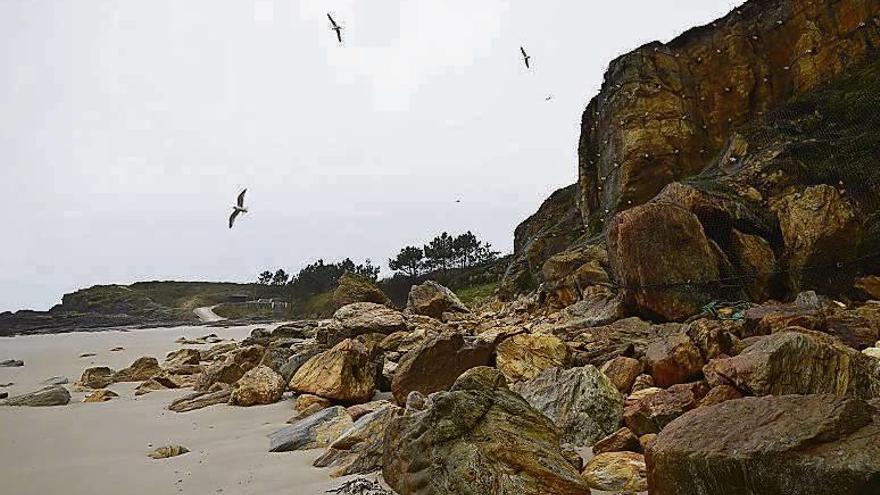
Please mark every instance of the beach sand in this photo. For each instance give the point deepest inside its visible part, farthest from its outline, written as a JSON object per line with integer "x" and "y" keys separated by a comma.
{"x": 101, "y": 448}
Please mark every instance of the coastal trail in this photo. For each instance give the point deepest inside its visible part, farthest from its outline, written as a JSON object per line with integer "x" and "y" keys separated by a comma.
{"x": 206, "y": 314}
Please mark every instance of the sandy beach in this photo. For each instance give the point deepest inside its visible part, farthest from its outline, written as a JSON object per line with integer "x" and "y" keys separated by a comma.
{"x": 96, "y": 448}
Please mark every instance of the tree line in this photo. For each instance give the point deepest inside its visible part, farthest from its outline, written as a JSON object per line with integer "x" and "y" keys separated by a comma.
{"x": 442, "y": 253}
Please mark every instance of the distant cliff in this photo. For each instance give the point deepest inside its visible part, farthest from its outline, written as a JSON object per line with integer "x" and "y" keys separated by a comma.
{"x": 141, "y": 303}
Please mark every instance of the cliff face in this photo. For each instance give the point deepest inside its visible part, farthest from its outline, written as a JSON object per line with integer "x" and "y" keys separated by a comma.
{"x": 751, "y": 141}
{"x": 664, "y": 111}
{"x": 553, "y": 228}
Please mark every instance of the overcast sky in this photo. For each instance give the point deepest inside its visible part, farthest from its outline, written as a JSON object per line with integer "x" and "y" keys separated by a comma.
{"x": 127, "y": 128}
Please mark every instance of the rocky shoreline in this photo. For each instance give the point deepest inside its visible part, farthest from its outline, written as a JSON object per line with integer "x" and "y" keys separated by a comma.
{"x": 504, "y": 398}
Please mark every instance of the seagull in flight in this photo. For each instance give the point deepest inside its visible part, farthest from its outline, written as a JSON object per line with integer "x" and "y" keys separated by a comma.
{"x": 526, "y": 57}
{"x": 238, "y": 208}
{"x": 548, "y": 98}
{"x": 335, "y": 27}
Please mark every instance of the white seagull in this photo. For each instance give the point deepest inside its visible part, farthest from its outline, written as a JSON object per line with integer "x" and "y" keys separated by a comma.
{"x": 238, "y": 208}
{"x": 526, "y": 57}
{"x": 335, "y": 27}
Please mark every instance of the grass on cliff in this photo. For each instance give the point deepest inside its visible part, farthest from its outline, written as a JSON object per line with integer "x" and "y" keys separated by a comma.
{"x": 474, "y": 295}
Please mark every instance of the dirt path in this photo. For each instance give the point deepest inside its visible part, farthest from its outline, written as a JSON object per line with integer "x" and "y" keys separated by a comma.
{"x": 207, "y": 314}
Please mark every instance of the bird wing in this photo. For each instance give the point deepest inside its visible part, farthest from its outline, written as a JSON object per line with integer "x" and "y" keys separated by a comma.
{"x": 241, "y": 197}
{"x": 232, "y": 217}
{"x": 339, "y": 34}
{"x": 527, "y": 63}
{"x": 523, "y": 50}
{"x": 331, "y": 20}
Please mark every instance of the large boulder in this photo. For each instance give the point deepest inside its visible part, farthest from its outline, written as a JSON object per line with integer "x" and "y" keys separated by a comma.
{"x": 756, "y": 261}
{"x": 581, "y": 402}
{"x": 819, "y": 227}
{"x": 359, "y": 318}
{"x": 622, "y": 372}
{"x": 778, "y": 445}
{"x": 656, "y": 408}
{"x": 673, "y": 359}
{"x": 345, "y": 373}
{"x": 96, "y": 377}
{"x": 858, "y": 328}
{"x": 225, "y": 372}
{"x": 301, "y": 354}
{"x": 798, "y": 361}
{"x": 661, "y": 256}
{"x": 53, "y": 395}
{"x": 432, "y": 299}
{"x": 525, "y": 356}
{"x": 436, "y": 363}
{"x": 182, "y": 357}
{"x": 314, "y": 432}
{"x": 597, "y": 345}
{"x": 355, "y": 289}
{"x": 260, "y": 385}
{"x": 142, "y": 369}
{"x": 477, "y": 438}
{"x": 359, "y": 449}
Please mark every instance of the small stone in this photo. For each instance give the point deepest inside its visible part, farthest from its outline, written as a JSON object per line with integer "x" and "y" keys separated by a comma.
{"x": 102, "y": 395}
{"x": 168, "y": 451}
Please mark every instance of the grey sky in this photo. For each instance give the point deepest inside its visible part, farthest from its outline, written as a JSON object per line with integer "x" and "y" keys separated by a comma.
{"x": 127, "y": 128}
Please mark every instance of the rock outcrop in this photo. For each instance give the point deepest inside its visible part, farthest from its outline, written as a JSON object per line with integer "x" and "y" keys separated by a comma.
{"x": 355, "y": 289}
{"x": 97, "y": 377}
{"x": 345, "y": 373}
{"x": 316, "y": 431}
{"x": 728, "y": 124}
{"x": 260, "y": 385}
{"x": 525, "y": 356}
{"x": 432, "y": 299}
{"x": 581, "y": 402}
{"x": 787, "y": 445}
{"x": 436, "y": 364}
{"x": 477, "y": 438}
{"x": 358, "y": 319}
{"x": 360, "y": 449}
{"x": 142, "y": 369}
{"x": 798, "y": 361}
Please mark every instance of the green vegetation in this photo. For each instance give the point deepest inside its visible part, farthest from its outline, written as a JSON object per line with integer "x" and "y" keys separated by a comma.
{"x": 315, "y": 306}
{"x": 236, "y": 311}
{"x": 442, "y": 253}
{"x": 471, "y": 296}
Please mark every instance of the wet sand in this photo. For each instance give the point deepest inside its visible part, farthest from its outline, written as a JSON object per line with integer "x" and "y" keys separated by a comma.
{"x": 101, "y": 448}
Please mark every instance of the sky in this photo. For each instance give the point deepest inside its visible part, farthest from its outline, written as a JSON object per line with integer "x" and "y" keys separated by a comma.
{"x": 128, "y": 127}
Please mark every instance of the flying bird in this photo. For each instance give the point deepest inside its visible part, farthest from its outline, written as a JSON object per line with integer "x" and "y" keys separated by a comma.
{"x": 335, "y": 27}
{"x": 238, "y": 208}
{"x": 548, "y": 98}
{"x": 526, "y": 56}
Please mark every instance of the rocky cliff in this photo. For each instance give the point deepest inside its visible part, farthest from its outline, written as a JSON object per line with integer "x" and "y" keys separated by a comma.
{"x": 753, "y": 139}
